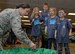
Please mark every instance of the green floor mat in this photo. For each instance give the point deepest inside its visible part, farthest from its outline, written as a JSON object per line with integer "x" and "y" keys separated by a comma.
{"x": 28, "y": 51}
{"x": 72, "y": 38}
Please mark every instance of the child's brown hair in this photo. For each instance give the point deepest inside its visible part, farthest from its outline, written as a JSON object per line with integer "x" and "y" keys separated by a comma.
{"x": 64, "y": 10}
{"x": 45, "y": 4}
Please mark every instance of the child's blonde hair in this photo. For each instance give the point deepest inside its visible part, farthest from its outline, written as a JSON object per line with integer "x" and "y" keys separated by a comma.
{"x": 33, "y": 12}
{"x": 54, "y": 9}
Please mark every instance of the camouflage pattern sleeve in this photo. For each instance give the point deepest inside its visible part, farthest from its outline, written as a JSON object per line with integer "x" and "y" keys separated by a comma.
{"x": 16, "y": 28}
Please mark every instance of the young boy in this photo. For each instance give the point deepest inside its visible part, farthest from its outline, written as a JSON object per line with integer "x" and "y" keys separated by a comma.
{"x": 45, "y": 12}
{"x": 64, "y": 29}
{"x": 44, "y": 17}
{"x": 50, "y": 27}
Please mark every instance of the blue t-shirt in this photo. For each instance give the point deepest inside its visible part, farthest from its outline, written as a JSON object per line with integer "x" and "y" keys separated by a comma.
{"x": 36, "y": 21}
{"x": 50, "y": 23}
{"x": 63, "y": 27}
{"x": 36, "y": 27}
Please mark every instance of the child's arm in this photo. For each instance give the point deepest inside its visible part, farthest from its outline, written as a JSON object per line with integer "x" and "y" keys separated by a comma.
{"x": 70, "y": 32}
{"x": 32, "y": 18}
{"x": 41, "y": 22}
{"x": 32, "y": 21}
{"x": 45, "y": 29}
{"x": 55, "y": 33}
{"x": 70, "y": 28}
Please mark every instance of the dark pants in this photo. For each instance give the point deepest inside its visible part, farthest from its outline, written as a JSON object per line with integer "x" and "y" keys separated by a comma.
{"x": 60, "y": 45}
{"x": 44, "y": 42}
{"x": 12, "y": 38}
{"x": 50, "y": 41}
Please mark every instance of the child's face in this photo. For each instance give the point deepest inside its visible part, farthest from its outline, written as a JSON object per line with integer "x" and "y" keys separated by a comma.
{"x": 36, "y": 11}
{"x": 61, "y": 13}
{"x": 45, "y": 7}
{"x": 52, "y": 12}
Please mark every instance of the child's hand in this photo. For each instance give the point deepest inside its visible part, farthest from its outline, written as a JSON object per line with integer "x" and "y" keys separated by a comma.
{"x": 55, "y": 36}
{"x": 41, "y": 22}
{"x": 32, "y": 20}
{"x": 46, "y": 30}
{"x": 70, "y": 34}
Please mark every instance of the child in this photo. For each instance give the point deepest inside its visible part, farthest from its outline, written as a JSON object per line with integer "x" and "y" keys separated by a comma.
{"x": 44, "y": 17}
{"x": 63, "y": 31}
{"x": 50, "y": 28}
{"x": 35, "y": 24}
{"x": 45, "y": 12}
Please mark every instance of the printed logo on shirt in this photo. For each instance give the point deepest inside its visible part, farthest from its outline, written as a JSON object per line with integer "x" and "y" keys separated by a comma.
{"x": 64, "y": 26}
{"x": 52, "y": 21}
{"x": 46, "y": 18}
{"x": 36, "y": 22}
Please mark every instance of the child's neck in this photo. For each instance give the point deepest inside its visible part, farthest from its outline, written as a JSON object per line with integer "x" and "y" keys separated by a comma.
{"x": 36, "y": 16}
{"x": 53, "y": 16}
{"x": 45, "y": 10}
{"x": 62, "y": 18}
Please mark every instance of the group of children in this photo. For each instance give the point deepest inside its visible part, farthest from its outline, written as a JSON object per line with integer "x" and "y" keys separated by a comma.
{"x": 56, "y": 26}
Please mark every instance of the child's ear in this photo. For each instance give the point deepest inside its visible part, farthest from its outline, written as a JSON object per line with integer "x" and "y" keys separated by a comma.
{"x": 65, "y": 14}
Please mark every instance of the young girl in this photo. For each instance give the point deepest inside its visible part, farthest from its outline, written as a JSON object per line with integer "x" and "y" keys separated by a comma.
{"x": 50, "y": 28}
{"x": 64, "y": 29}
{"x": 35, "y": 24}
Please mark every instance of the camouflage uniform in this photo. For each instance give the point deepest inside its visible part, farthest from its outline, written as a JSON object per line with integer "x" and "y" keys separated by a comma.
{"x": 10, "y": 19}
